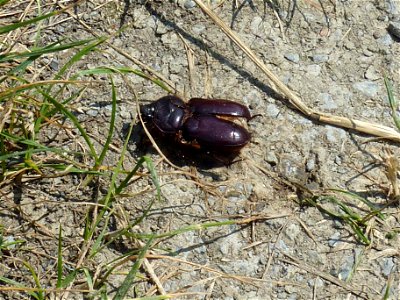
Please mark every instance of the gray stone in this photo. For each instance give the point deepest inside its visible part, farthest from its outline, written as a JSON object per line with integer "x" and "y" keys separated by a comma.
{"x": 282, "y": 246}
{"x": 161, "y": 28}
{"x": 256, "y": 25}
{"x": 198, "y": 28}
{"x": 125, "y": 114}
{"x": 334, "y": 135}
{"x": 54, "y": 64}
{"x": 189, "y": 4}
{"x": 372, "y": 73}
{"x": 292, "y": 231}
{"x": 293, "y": 57}
{"x": 367, "y": 88}
{"x": 320, "y": 58}
{"x": 392, "y": 7}
{"x": 272, "y": 110}
{"x": 338, "y": 160}
{"x": 92, "y": 112}
{"x": 327, "y": 101}
{"x": 313, "y": 70}
{"x": 310, "y": 165}
{"x": 387, "y": 266}
{"x": 346, "y": 269}
{"x": 334, "y": 240}
{"x": 271, "y": 158}
{"x": 386, "y": 40}
{"x": 317, "y": 282}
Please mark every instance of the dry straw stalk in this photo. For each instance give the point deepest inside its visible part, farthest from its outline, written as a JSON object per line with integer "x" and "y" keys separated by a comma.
{"x": 279, "y": 87}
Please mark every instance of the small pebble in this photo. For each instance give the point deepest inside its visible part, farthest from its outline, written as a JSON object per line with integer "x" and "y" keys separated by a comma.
{"x": 327, "y": 101}
{"x": 189, "y": 4}
{"x": 293, "y": 57}
{"x": 334, "y": 240}
{"x": 271, "y": 158}
{"x": 161, "y": 28}
{"x": 313, "y": 70}
{"x": 292, "y": 231}
{"x": 256, "y": 25}
{"x": 367, "y": 53}
{"x": 54, "y": 64}
{"x": 372, "y": 73}
{"x": 92, "y": 112}
{"x": 272, "y": 110}
{"x": 320, "y": 58}
{"x": 386, "y": 40}
{"x": 198, "y": 28}
{"x": 338, "y": 160}
{"x": 310, "y": 165}
{"x": 387, "y": 266}
{"x": 367, "y": 88}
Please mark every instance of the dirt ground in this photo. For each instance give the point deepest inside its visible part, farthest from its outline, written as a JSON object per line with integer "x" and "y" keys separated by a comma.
{"x": 333, "y": 54}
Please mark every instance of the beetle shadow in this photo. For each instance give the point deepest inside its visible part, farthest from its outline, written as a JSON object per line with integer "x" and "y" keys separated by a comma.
{"x": 155, "y": 11}
{"x": 179, "y": 154}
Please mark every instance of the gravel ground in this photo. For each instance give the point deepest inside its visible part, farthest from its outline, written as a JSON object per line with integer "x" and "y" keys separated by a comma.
{"x": 334, "y": 56}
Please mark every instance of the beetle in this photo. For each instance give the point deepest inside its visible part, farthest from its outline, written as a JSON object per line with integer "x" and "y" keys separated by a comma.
{"x": 200, "y": 123}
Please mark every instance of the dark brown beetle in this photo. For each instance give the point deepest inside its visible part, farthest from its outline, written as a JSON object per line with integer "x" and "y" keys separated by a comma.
{"x": 200, "y": 123}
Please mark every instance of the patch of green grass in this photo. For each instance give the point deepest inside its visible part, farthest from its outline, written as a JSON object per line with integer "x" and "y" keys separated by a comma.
{"x": 30, "y": 109}
{"x": 344, "y": 206}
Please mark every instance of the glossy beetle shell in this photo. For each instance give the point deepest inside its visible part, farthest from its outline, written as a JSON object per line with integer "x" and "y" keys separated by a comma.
{"x": 199, "y": 122}
{"x": 219, "y": 107}
{"x": 215, "y": 134}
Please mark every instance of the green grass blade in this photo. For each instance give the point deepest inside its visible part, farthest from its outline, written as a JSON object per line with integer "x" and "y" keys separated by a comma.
{"x": 97, "y": 244}
{"x": 357, "y": 261}
{"x": 112, "y": 124}
{"x": 11, "y": 27}
{"x": 359, "y": 232}
{"x": 59, "y": 259}
{"x": 153, "y": 173}
{"x": 22, "y": 66}
{"x": 16, "y": 90}
{"x": 372, "y": 206}
{"x": 40, "y": 293}
{"x": 389, "y": 283}
{"x": 121, "y": 70}
{"x": 78, "y": 56}
{"x": 74, "y": 120}
{"x": 43, "y": 50}
{"x": 67, "y": 280}
{"x": 89, "y": 279}
{"x": 393, "y": 102}
{"x": 32, "y": 165}
{"x": 20, "y": 286}
{"x": 70, "y": 169}
{"x": 154, "y": 177}
{"x": 38, "y": 147}
{"x": 129, "y": 279}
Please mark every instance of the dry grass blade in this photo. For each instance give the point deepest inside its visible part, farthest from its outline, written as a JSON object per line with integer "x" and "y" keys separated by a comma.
{"x": 353, "y": 290}
{"x": 279, "y": 87}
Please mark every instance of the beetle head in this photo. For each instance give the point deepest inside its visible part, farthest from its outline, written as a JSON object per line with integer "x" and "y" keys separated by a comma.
{"x": 147, "y": 111}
